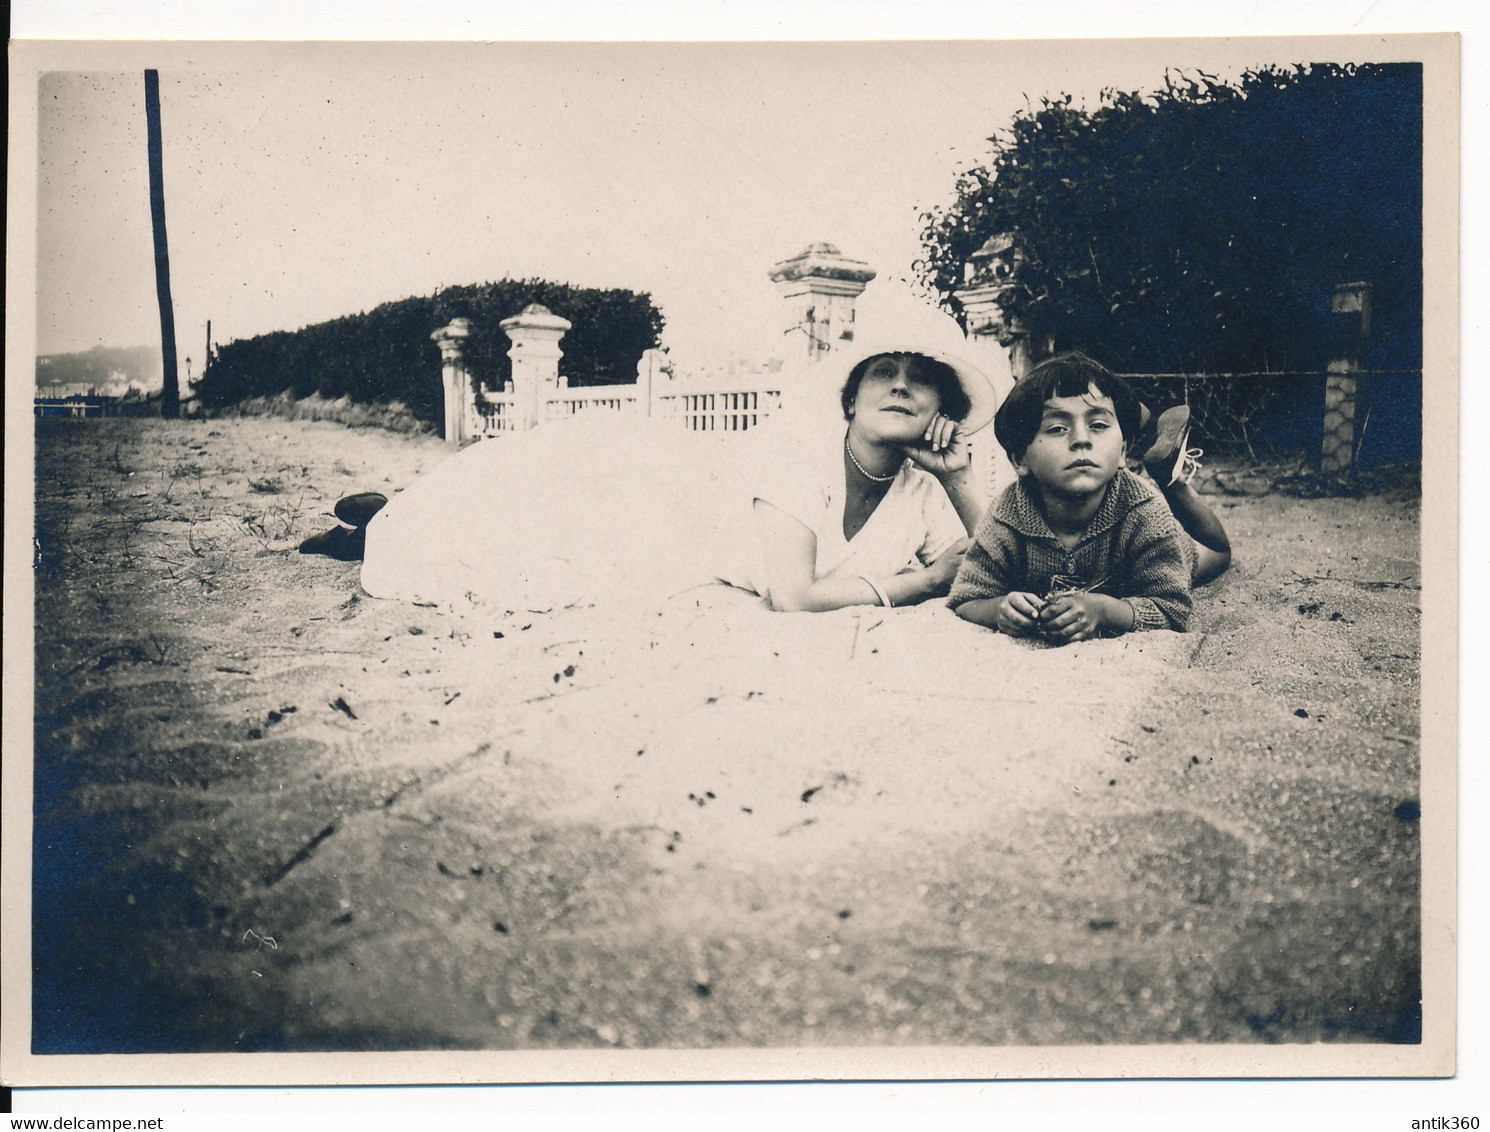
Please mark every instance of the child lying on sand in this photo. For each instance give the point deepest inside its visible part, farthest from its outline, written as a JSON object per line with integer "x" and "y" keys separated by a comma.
{"x": 1079, "y": 546}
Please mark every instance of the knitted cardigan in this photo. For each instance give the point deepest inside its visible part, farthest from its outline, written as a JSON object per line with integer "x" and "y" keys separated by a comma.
{"x": 1132, "y": 549}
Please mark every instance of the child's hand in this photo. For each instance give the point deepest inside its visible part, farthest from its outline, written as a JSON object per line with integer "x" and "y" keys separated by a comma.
{"x": 1073, "y": 617}
{"x": 1018, "y": 614}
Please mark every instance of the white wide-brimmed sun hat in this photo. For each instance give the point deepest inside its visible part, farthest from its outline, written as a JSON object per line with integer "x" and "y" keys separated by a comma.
{"x": 982, "y": 400}
{"x": 890, "y": 319}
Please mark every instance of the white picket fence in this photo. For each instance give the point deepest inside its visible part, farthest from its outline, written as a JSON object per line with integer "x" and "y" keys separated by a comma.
{"x": 698, "y": 405}
{"x": 718, "y": 410}
{"x": 712, "y": 404}
{"x": 731, "y": 400}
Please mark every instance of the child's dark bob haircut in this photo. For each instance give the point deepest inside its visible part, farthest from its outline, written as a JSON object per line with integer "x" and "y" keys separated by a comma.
{"x": 1064, "y": 375}
{"x": 943, "y": 378}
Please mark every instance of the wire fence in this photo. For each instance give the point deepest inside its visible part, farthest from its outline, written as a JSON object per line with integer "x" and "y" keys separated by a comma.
{"x": 1275, "y": 419}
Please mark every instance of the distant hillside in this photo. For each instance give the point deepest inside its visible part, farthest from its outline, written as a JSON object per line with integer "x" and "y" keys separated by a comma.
{"x": 116, "y": 365}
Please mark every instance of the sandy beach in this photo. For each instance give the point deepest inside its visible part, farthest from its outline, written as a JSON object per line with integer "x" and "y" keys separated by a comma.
{"x": 273, "y": 813}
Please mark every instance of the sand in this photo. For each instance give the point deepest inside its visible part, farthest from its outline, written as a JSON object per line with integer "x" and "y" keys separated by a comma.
{"x": 276, "y": 814}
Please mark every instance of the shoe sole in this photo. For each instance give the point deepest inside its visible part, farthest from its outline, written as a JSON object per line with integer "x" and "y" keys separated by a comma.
{"x": 1172, "y": 426}
{"x": 358, "y": 510}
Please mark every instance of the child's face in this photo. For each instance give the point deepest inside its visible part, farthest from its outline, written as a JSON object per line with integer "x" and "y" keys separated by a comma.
{"x": 1078, "y": 447}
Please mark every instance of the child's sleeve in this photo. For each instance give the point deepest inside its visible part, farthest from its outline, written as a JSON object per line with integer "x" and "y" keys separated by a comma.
{"x": 989, "y": 568}
{"x": 1159, "y": 577}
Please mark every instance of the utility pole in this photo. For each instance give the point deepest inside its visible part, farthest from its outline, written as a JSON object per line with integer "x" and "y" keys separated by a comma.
{"x": 170, "y": 404}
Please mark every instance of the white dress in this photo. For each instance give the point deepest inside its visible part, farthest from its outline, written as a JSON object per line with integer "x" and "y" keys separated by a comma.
{"x": 912, "y": 524}
{"x": 632, "y": 511}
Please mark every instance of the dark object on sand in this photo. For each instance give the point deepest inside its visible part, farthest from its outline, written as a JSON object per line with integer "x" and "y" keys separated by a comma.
{"x": 358, "y": 510}
{"x": 342, "y": 543}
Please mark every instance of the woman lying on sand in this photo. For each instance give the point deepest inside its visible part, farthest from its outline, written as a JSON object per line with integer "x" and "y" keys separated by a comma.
{"x": 883, "y": 515}
{"x": 871, "y": 505}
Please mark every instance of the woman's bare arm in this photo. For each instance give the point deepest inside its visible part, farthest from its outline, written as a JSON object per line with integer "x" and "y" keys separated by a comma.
{"x": 789, "y": 551}
{"x": 946, "y": 455}
{"x": 966, "y": 498}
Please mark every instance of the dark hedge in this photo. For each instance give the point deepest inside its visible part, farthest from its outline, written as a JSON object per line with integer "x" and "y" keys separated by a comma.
{"x": 1202, "y": 227}
{"x": 386, "y": 354}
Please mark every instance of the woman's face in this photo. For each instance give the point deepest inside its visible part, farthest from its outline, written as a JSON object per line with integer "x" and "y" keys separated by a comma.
{"x": 896, "y": 400}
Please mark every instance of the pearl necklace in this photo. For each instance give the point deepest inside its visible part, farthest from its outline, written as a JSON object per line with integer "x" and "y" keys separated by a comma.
{"x": 867, "y": 475}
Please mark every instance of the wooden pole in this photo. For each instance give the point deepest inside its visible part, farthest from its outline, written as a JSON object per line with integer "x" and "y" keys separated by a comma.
{"x": 170, "y": 403}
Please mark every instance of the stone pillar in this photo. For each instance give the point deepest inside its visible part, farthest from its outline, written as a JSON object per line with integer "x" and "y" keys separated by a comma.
{"x": 460, "y": 397}
{"x": 989, "y": 274}
{"x": 652, "y": 366}
{"x": 1351, "y": 304}
{"x": 535, "y": 354}
{"x": 820, "y": 285}
{"x": 986, "y": 319}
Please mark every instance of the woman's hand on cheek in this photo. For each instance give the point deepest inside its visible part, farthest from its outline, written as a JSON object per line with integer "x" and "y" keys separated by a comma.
{"x": 943, "y": 450}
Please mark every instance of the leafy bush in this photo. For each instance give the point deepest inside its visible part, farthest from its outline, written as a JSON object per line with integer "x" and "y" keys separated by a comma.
{"x": 385, "y": 355}
{"x": 1202, "y": 228}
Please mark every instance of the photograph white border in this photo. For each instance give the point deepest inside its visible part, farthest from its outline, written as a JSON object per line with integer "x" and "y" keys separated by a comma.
{"x": 1440, "y": 619}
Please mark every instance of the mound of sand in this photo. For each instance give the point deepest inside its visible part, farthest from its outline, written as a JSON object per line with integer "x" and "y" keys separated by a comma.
{"x": 274, "y": 813}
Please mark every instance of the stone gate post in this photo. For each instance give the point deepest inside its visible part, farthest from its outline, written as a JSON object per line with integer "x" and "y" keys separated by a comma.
{"x": 535, "y": 354}
{"x": 989, "y": 274}
{"x": 650, "y": 369}
{"x": 820, "y": 285}
{"x": 460, "y": 397}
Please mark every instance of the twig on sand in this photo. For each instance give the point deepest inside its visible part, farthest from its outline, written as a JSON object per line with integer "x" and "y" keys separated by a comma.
{"x": 566, "y": 690}
{"x": 301, "y": 855}
{"x": 420, "y": 783}
{"x": 180, "y": 572}
{"x": 860, "y": 627}
{"x": 161, "y": 648}
{"x": 1359, "y": 583}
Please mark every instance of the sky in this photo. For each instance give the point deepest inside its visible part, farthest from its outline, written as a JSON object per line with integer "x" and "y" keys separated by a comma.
{"x": 307, "y": 182}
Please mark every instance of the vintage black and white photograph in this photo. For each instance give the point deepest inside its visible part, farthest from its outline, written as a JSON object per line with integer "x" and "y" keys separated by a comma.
{"x": 898, "y": 559}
